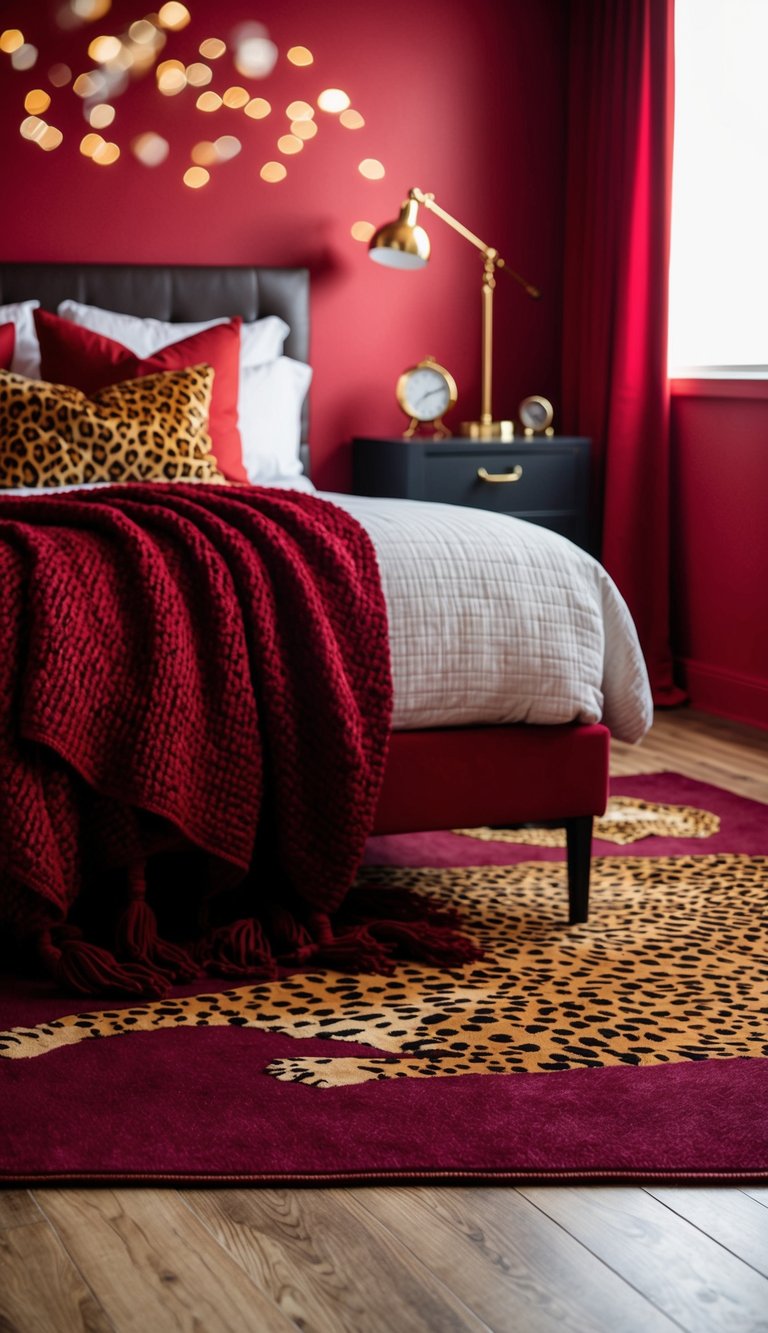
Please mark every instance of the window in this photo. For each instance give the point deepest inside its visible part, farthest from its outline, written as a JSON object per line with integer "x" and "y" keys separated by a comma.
{"x": 718, "y": 323}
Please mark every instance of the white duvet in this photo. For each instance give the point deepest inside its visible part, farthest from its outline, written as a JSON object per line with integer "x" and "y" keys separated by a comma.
{"x": 492, "y": 619}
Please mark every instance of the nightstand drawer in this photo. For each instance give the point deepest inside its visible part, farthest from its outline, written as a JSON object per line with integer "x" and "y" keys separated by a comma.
{"x": 542, "y": 482}
{"x": 551, "y": 485}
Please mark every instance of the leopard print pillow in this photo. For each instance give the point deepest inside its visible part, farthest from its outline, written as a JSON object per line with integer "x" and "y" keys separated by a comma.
{"x": 150, "y": 429}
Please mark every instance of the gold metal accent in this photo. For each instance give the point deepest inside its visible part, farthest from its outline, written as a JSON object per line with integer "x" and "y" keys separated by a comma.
{"x": 513, "y": 475}
{"x": 488, "y": 430}
{"x": 402, "y": 243}
{"x": 405, "y": 244}
{"x": 438, "y": 428}
{"x": 436, "y": 423}
{"x": 536, "y": 415}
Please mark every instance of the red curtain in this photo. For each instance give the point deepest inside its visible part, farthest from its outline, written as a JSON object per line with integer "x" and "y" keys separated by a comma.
{"x": 615, "y": 387}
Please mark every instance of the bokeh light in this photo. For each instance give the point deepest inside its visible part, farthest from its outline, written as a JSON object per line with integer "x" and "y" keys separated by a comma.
{"x": 300, "y": 55}
{"x": 208, "y": 102}
{"x": 24, "y": 57}
{"x": 171, "y": 77}
{"x": 351, "y": 120}
{"x": 204, "y": 154}
{"x": 37, "y": 101}
{"x": 273, "y": 171}
{"x": 142, "y": 31}
{"x": 236, "y": 96}
{"x": 103, "y": 49}
{"x": 51, "y": 138}
{"x": 289, "y": 144}
{"x": 304, "y": 129}
{"x": 60, "y": 75}
{"x": 89, "y": 143}
{"x": 299, "y": 111}
{"x": 258, "y": 108}
{"x": 227, "y": 146}
{"x": 254, "y": 54}
{"x": 11, "y": 40}
{"x": 32, "y": 127}
{"x": 151, "y": 149}
{"x": 212, "y": 48}
{"x": 333, "y": 100}
{"x": 198, "y": 74}
{"x": 89, "y": 10}
{"x": 101, "y": 115}
{"x": 362, "y": 231}
{"x": 105, "y": 154}
{"x": 173, "y": 15}
{"x": 371, "y": 168}
{"x": 196, "y": 177}
{"x": 90, "y": 85}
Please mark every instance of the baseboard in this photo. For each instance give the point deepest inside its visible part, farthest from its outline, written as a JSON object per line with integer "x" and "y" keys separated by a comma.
{"x": 725, "y": 693}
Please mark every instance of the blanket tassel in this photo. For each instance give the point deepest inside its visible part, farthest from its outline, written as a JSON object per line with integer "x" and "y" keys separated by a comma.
{"x": 138, "y": 938}
{"x": 237, "y": 950}
{"x": 424, "y": 943}
{"x": 90, "y": 970}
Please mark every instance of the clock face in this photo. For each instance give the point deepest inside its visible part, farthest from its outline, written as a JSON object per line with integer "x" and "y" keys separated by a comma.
{"x": 536, "y": 413}
{"x": 426, "y": 392}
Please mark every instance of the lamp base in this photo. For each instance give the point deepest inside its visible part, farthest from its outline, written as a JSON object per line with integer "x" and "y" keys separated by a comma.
{"x": 488, "y": 430}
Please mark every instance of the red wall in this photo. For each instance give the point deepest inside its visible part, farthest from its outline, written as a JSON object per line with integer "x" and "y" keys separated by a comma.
{"x": 720, "y": 551}
{"x": 461, "y": 97}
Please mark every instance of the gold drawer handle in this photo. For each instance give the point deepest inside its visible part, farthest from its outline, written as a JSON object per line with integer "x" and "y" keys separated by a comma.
{"x": 514, "y": 475}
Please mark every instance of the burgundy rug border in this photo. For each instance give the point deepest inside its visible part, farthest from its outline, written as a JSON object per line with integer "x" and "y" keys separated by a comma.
{"x": 311, "y": 1180}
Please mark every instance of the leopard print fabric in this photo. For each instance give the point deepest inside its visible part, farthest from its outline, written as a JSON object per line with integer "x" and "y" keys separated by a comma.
{"x": 626, "y": 819}
{"x": 150, "y": 429}
{"x": 670, "y": 968}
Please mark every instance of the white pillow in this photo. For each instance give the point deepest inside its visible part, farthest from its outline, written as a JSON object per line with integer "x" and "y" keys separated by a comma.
{"x": 261, "y": 340}
{"x": 271, "y": 399}
{"x": 26, "y": 351}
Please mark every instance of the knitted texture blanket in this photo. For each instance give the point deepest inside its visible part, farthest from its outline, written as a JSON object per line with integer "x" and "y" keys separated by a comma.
{"x": 194, "y": 709}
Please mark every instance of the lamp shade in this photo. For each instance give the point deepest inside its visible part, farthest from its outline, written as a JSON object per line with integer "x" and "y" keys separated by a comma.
{"x": 402, "y": 243}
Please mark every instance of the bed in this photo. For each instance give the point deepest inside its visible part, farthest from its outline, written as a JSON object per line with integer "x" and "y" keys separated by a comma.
{"x": 468, "y": 764}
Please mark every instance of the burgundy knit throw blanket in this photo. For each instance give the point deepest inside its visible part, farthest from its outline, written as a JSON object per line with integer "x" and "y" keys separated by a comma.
{"x": 195, "y": 700}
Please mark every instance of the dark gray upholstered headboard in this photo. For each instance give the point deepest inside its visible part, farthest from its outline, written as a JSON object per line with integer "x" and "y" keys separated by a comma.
{"x": 180, "y": 292}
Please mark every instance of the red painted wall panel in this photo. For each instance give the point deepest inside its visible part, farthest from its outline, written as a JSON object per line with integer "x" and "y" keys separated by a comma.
{"x": 720, "y": 552}
{"x": 461, "y": 97}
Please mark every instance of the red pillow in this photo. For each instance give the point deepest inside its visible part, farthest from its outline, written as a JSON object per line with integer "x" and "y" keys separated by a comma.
{"x": 76, "y": 356}
{"x": 7, "y": 344}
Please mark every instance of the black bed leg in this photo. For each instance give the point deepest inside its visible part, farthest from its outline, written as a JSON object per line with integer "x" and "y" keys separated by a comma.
{"x": 578, "y": 833}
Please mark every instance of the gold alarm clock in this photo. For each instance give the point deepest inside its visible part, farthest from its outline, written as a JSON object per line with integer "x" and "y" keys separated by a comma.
{"x": 425, "y": 393}
{"x": 536, "y": 415}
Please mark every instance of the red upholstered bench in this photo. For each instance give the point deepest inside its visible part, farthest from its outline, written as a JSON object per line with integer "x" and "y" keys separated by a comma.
{"x": 467, "y": 776}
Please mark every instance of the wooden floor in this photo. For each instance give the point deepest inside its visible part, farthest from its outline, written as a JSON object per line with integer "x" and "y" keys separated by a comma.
{"x": 599, "y": 1258}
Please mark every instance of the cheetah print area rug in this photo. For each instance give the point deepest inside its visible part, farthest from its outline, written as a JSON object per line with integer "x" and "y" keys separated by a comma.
{"x": 626, "y": 819}
{"x": 672, "y": 966}
{"x": 564, "y": 1049}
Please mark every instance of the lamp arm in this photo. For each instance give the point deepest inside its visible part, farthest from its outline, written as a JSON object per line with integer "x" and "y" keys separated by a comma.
{"x": 428, "y": 201}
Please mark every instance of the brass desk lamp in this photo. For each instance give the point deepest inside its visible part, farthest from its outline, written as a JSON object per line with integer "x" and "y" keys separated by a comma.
{"x": 405, "y": 244}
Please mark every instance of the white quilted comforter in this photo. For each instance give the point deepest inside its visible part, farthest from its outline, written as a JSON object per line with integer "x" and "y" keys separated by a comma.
{"x": 493, "y": 620}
